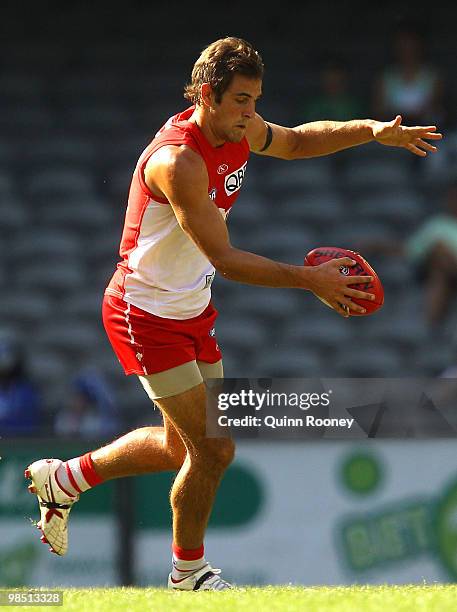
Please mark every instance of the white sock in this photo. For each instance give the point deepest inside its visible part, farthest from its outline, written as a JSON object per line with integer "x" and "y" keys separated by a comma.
{"x": 70, "y": 478}
{"x": 182, "y": 568}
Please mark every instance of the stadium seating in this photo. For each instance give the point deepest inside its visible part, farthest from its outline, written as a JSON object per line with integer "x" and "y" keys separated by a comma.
{"x": 75, "y": 116}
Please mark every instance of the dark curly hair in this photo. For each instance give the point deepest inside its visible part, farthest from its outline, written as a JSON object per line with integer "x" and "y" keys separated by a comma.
{"x": 219, "y": 62}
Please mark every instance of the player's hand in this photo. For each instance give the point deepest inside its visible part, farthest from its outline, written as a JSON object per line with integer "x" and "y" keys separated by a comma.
{"x": 394, "y": 134}
{"x": 329, "y": 285}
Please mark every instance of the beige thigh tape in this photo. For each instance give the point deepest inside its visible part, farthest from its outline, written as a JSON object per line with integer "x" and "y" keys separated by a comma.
{"x": 179, "y": 379}
{"x": 211, "y": 370}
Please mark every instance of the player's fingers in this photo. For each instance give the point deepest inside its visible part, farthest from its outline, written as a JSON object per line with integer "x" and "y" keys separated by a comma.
{"x": 425, "y": 145}
{"x": 430, "y": 136}
{"x": 362, "y": 295}
{"x": 341, "y": 309}
{"x": 425, "y": 132}
{"x": 355, "y": 307}
{"x": 355, "y": 280}
{"x": 343, "y": 261}
{"x": 415, "y": 150}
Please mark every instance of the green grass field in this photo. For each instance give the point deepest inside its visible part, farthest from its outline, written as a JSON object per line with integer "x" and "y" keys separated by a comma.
{"x": 439, "y": 598}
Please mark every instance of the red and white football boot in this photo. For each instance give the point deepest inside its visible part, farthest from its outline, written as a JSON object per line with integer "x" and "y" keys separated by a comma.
{"x": 54, "y": 503}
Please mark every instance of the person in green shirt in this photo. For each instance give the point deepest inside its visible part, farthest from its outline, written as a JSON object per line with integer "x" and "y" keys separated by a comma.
{"x": 432, "y": 249}
{"x": 334, "y": 98}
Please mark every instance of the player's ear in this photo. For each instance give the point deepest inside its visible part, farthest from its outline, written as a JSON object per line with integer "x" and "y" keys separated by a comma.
{"x": 206, "y": 94}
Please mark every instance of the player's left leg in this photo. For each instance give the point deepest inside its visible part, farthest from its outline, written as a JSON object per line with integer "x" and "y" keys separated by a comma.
{"x": 141, "y": 451}
{"x": 58, "y": 484}
{"x": 147, "y": 449}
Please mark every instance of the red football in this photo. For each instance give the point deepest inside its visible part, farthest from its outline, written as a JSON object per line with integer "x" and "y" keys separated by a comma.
{"x": 361, "y": 268}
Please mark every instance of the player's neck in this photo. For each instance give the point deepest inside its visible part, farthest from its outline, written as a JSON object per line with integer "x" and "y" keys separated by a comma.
{"x": 200, "y": 118}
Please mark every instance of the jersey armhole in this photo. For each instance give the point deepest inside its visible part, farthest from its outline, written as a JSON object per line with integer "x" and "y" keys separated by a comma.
{"x": 141, "y": 167}
{"x": 140, "y": 170}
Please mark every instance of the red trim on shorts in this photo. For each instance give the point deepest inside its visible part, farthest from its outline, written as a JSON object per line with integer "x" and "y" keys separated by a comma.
{"x": 159, "y": 344}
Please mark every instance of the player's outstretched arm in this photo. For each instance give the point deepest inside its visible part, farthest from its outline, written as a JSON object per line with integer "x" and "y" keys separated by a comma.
{"x": 325, "y": 137}
{"x": 394, "y": 134}
{"x": 180, "y": 175}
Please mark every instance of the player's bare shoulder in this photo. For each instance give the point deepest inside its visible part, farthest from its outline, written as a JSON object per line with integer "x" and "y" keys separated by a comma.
{"x": 171, "y": 166}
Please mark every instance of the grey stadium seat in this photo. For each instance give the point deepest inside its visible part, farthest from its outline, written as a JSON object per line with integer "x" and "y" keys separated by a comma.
{"x": 80, "y": 212}
{"x": 401, "y": 206}
{"x": 74, "y": 338}
{"x": 285, "y": 241}
{"x": 302, "y": 174}
{"x": 59, "y": 181}
{"x": 83, "y": 306}
{"x": 6, "y": 184}
{"x": 316, "y": 207}
{"x": 368, "y": 174}
{"x": 14, "y": 213}
{"x": 62, "y": 147}
{"x": 370, "y": 361}
{"x": 37, "y": 243}
{"x": 394, "y": 272}
{"x": 105, "y": 249}
{"x": 27, "y": 308}
{"x": 237, "y": 362}
{"x": 48, "y": 367}
{"x": 407, "y": 332}
{"x": 267, "y": 303}
{"x": 432, "y": 358}
{"x": 287, "y": 362}
{"x": 98, "y": 119}
{"x": 241, "y": 332}
{"x": 319, "y": 333}
{"x": 250, "y": 209}
{"x": 57, "y": 277}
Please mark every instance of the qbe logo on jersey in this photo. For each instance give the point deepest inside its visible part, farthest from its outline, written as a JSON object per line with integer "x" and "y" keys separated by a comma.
{"x": 234, "y": 180}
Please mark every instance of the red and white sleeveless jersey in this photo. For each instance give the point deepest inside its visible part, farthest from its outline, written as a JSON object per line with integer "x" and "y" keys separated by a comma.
{"x": 162, "y": 271}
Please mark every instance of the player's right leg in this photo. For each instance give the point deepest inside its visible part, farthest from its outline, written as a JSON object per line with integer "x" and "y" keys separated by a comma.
{"x": 194, "y": 488}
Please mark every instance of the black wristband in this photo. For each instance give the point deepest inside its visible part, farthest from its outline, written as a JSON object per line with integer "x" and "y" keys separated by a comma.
{"x": 268, "y": 139}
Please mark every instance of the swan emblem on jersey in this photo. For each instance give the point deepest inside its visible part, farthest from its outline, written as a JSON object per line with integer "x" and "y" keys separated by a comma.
{"x": 209, "y": 279}
{"x": 234, "y": 180}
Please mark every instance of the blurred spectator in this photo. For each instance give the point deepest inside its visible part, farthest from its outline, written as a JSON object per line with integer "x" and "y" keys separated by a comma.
{"x": 432, "y": 249}
{"x": 450, "y": 371}
{"x": 411, "y": 85}
{"x": 334, "y": 100}
{"x": 20, "y": 400}
{"x": 90, "y": 411}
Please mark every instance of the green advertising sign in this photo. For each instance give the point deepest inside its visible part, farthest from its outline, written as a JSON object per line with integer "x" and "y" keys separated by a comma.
{"x": 239, "y": 497}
